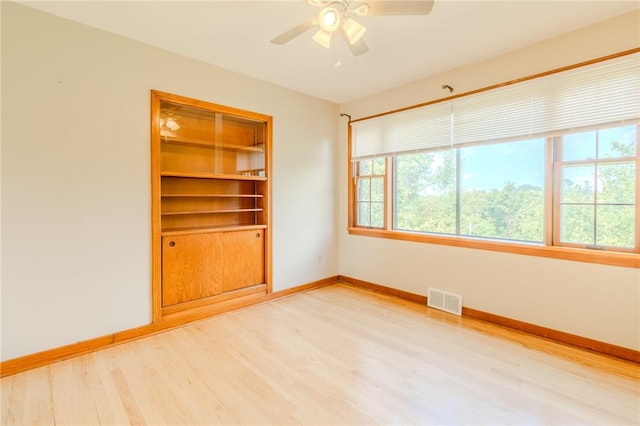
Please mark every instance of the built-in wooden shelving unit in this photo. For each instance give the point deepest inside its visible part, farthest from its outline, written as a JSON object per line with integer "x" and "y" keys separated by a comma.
{"x": 211, "y": 216}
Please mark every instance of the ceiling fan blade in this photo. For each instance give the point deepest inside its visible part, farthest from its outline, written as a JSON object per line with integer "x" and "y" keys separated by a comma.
{"x": 319, "y": 3}
{"x": 415, "y": 7}
{"x": 358, "y": 48}
{"x": 294, "y": 32}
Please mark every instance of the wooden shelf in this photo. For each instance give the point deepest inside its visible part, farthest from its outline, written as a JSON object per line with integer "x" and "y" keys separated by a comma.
{"x": 199, "y": 143}
{"x": 201, "y": 229}
{"x": 205, "y": 175}
{"x": 214, "y": 195}
{"x": 212, "y": 211}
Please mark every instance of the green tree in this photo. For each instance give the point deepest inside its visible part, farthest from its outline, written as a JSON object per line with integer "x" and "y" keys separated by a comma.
{"x": 425, "y": 192}
{"x": 606, "y": 213}
{"x": 511, "y": 212}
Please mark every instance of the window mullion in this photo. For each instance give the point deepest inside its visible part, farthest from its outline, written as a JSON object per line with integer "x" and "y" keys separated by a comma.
{"x": 595, "y": 192}
{"x": 389, "y": 193}
{"x": 550, "y": 193}
{"x": 371, "y": 198}
{"x": 637, "y": 197}
{"x": 458, "y": 172}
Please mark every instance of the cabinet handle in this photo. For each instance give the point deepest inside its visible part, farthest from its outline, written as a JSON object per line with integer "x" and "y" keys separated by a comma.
{"x": 257, "y": 235}
{"x": 172, "y": 243}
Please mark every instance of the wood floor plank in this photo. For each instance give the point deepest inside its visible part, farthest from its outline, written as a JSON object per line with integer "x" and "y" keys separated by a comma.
{"x": 73, "y": 403}
{"x": 336, "y": 355}
{"x": 13, "y": 399}
{"x": 107, "y": 396}
{"x": 5, "y": 398}
{"x": 126, "y": 397}
{"x": 296, "y": 370}
{"x": 38, "y": 409}
{"x": 156, "y": 398}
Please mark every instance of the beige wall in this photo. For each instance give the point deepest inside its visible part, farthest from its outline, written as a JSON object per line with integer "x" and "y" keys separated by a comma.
{"x": 75, "y": 176}
{"x": 595, "y": 301}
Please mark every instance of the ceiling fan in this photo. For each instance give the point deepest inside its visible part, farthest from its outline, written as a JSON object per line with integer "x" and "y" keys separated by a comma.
{"x": 337, "y": 16}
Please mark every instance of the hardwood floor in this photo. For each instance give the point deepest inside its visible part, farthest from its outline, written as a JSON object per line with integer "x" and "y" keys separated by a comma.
{"x": 335, "y": 355}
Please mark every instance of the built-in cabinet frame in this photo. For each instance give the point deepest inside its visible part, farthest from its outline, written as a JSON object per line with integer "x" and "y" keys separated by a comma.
{"x": 219, "y": 206}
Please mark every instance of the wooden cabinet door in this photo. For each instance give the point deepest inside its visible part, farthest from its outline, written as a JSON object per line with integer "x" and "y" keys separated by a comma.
{"x": 192, "y": 267}
{"x": 243, "y": 258}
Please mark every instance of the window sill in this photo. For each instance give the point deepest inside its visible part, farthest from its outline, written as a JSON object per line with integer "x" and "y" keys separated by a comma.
{"x": 628, "y": 260}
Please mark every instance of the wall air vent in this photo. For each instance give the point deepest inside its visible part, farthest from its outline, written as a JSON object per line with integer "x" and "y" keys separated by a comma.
{"x": 444, "y": 301}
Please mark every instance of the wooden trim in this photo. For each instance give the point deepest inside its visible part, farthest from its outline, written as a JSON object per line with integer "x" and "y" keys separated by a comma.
{"x": 156, "y": 227}
{"x": 302, "y": 288}
{"x": 206, "y": 311}
{"x": 245, "y": 114}
{"x": 496, "y": 86}
{"x": 39, "y": 359}
{"x": 384, "y": 289}
{"x": 28, "y": 362}
{"x": 218, "y": 298}
{"x": 266, "y": 204}
{"x": 351, "y": 203}
{"x": 536, "y": 330}
{"x": 555, "y": 335}
{"x": 627, "y": 260}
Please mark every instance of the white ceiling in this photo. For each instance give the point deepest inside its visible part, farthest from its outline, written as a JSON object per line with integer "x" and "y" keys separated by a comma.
{"x": 235, "y": 35}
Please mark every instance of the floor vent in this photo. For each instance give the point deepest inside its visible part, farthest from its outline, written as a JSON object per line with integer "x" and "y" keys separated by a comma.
{"x": 444, "y": 301}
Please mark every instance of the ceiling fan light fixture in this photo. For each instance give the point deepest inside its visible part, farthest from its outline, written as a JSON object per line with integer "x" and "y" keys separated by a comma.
{"x": 172, "y": 124}
{"x": 353, "y": 30}
{"x": 323, "y": 38}
{"x": 336, "y": 15}
{"x": 329, "y": 19}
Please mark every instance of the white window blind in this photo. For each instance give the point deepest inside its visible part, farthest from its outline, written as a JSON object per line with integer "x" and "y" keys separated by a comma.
{"x": 596, "y": 94}
{"x": 498, "y": 114}
{"x": 605, "y": 92}
{"x": 411, "y": 130}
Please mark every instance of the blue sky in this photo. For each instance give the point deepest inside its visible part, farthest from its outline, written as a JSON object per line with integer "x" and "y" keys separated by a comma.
{"x": 518, "y": 162}
{"x": 582, "y": 146}
{"x": 523, "y": 162}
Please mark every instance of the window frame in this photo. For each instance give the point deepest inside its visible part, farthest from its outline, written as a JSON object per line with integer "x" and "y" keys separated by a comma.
{"x": 358, "y": 176}
{"x": 559, "y": 163}
{"x": 549, "y": 249}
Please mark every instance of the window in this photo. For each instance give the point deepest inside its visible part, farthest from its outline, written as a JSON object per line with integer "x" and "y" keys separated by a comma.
{"x": 370, "y": 182}
{"x": 543, "y": 163}
{"x": 597, "y": 186}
